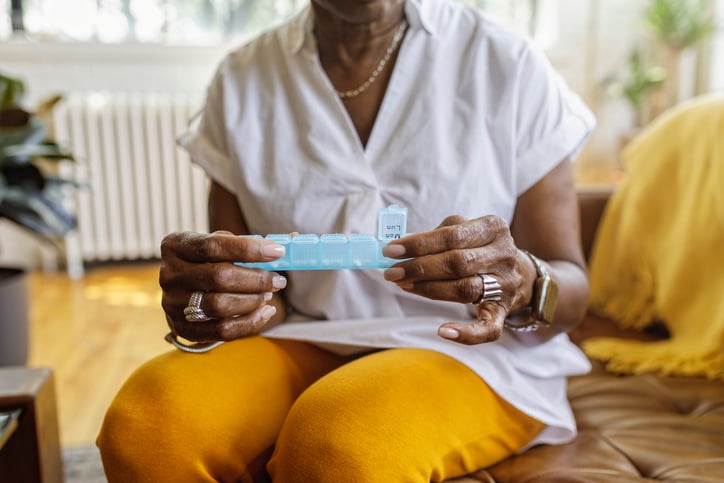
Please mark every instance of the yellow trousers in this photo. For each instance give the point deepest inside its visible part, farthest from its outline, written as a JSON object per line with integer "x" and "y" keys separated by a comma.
{"x": 258, "y": 409}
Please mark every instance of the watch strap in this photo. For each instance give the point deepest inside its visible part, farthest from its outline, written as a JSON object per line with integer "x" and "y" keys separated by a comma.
{"x": 542, "y": 306}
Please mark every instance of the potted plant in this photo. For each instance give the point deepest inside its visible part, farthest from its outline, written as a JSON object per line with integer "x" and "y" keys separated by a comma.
{"x": 641, "y": 80}
{"x": 31, "y": 197}
{"x": 678, "y": 25}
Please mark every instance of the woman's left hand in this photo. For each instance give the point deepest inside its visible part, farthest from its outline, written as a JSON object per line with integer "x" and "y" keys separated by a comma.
{"x": 448, "y": 263}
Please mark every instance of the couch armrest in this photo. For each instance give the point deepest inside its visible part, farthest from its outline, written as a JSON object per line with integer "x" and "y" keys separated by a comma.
{"x": 591, "y": 203}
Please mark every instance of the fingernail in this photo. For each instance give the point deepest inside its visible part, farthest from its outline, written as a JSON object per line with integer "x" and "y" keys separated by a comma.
{"x": 279, "y": 282}
{"x": 273, "y": 250}
{"x": 393, "y": 250}
{"x": 267, "y": 296}
{"x": 267, "y": 311}
{"x": 448, "y": 333}
{"x": 395, "y": 273}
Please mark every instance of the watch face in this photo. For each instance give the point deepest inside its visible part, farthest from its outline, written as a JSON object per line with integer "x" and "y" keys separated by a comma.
{"x": 544, "y": 307}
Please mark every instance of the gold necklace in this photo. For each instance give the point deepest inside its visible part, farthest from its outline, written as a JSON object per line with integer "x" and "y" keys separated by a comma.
{"x": 380, "y": 66}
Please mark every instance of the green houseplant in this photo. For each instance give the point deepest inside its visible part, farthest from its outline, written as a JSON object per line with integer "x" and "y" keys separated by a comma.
{"x": 31, "y": 197}
{"x": 677, "y": 25}
{"x": 641, "y": 80}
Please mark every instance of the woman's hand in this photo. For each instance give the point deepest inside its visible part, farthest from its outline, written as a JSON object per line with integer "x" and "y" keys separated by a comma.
{"x": 234, "y": 298}
{"x": 446, "y": 265}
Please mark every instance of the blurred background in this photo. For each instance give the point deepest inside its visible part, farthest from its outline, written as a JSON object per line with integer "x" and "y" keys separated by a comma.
{"x": 101, "y": 89}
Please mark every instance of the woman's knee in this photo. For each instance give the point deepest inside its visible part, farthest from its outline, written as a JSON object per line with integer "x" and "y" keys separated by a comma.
{"x": 141, "y": 425}
{"x": 213, "y": 414}
{"x": 318, "y": 439}
{"x": 333, "y": 434}
{"x": 381, "y": 419}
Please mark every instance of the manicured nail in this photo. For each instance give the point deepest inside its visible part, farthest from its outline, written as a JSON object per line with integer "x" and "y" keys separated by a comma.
{"x": 393, "y": 250}
{"x": 267, "y": 296}
{"x": 394, "y": 273}
{"x": 279, "y": 282}
{"x": 273, "y": 250}
{"x": 267, "y": 311}
{"x": 448, "y": 333}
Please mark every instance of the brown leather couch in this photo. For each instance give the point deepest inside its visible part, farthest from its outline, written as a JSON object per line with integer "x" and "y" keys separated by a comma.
{"x": 631, "y": 428}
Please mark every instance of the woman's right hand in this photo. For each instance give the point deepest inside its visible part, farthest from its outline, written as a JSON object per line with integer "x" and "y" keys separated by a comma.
{"x": 236, "y": 299}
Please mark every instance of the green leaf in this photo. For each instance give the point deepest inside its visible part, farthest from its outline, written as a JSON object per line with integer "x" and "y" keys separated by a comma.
{"x": 3, "y": 187}
{"x": 30, "y": 197}
{"x": 640, "y": 81}
{"x": 643, "y": 79}
{"x": 36, "y": 213}
{"x": 680, "y": 23}
{"x": 57, "y": 182}
{"x": 29, "y": 151}
{"x": 34, "y": 132}
{"x": 26, "y": 176}
{"x": 11, "y": 91}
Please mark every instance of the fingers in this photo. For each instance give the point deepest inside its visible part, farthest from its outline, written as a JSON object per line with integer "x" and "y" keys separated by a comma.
{"x": 452, "y": 220}
{"x": 488, "y": 327}
{"x": 236, "y": 299}
{"x": 231, "y": 315}
{"x": 218, "y": 277}
{"x": 452, "y": 274}
{"x": 219, "y": 247}
{"x": 447, "y": 263}
{"x": 450, "y": 235}
{"x": 454, "y": 264}
{"x": 228, "y": 328}
{"x": 463, "y": 290}
{"x": 181, "y": 274}
{"x": 215, "y": 305}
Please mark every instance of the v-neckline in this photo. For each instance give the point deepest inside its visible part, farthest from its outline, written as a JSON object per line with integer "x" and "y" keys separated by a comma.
{"x": 363, "y": 149}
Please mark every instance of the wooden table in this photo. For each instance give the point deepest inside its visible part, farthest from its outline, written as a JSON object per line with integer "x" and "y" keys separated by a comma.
{"x": 29, "y": 444}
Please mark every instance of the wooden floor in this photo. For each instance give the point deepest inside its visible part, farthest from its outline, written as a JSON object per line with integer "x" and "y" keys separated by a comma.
{"x": 93, "y": 333}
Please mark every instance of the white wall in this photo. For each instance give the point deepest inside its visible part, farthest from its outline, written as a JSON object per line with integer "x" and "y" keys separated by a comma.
{"x": 716, "y": 81}
{"x": 50, "y": 67}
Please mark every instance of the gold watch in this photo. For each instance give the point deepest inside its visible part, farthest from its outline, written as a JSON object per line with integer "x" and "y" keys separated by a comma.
{"x": 543, "y": 302}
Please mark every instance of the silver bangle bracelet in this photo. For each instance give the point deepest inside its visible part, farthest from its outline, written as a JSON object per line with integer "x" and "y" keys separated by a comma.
{"x": 530, "y": 326}
{"x": 197, "y": 348}
{"x": 523, "y": 321}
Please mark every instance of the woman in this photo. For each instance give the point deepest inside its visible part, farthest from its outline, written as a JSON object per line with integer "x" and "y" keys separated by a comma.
{"x": 442, "y": 364}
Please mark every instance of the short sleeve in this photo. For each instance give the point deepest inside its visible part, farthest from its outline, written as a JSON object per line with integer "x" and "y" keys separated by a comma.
{"x": 551, "y": 122}
{"x": 205, "y": 141}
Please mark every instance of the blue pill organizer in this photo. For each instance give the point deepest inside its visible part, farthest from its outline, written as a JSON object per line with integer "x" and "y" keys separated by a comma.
{"x": 337, "y": 251}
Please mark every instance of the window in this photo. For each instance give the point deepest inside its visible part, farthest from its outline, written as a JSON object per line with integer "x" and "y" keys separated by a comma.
{"x": 717, "y": 51}
{"x": 186, "y": 22}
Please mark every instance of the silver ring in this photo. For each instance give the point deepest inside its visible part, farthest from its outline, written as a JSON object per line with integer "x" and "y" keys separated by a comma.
{"x": 492, "y": 291}
{"x": 193, "y": 311}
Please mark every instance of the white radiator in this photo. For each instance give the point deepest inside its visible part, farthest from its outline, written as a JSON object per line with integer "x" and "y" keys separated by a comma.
{"x": 142, "y": 186}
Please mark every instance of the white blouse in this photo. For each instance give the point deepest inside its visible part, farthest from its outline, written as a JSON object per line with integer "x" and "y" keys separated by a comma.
{"x": 473, "y": 116}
